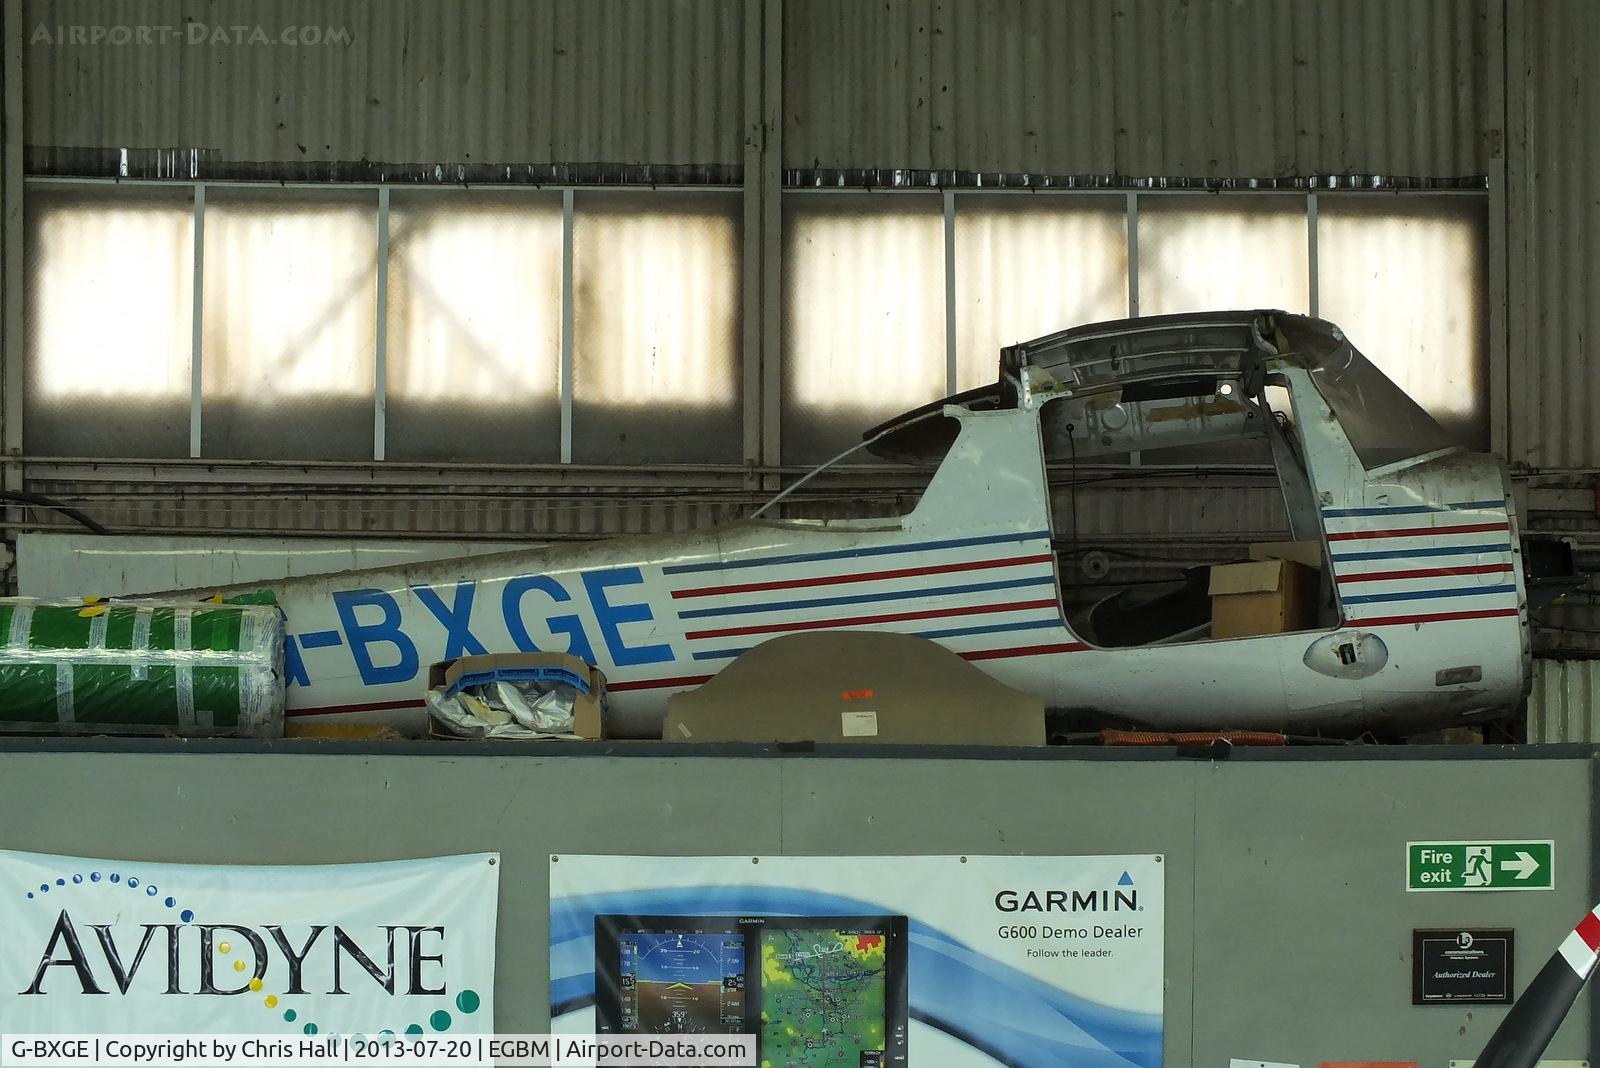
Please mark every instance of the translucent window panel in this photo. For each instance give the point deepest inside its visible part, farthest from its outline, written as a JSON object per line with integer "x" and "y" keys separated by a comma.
{"x": 863, "y": 315}
{"x": 1030, "y": 265}
{"x": 1405, "y": 277}
{"x": 474, "y": 327}
{"x": 110, "y": 277}
{"x": 289, "y": 324}
{"x": 656, "y": 328}
{"x": 1205, "y": 252}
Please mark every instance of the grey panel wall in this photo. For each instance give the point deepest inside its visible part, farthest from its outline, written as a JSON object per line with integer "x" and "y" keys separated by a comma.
{"x": 407, "y": 81}
{"x": 1288, "y": 930}
{"x": 1138, "y": 87}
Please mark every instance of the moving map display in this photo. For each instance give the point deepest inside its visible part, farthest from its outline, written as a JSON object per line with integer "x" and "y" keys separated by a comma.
{"x": 818, "y": 992}
{"x": 824, "y": 996}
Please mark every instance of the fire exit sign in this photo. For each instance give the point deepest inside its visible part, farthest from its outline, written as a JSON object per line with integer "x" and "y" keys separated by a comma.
{"x": 1480, "y": 865}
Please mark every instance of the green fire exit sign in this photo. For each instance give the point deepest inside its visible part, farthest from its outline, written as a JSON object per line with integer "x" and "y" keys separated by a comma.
{"x": 1480, "y": 865}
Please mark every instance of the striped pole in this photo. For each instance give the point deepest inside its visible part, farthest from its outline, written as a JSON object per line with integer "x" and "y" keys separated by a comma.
{"x": 1521, "y": 1038}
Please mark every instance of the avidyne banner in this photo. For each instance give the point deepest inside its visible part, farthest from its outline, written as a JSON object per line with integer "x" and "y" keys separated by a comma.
{"x": 123, "y": 947}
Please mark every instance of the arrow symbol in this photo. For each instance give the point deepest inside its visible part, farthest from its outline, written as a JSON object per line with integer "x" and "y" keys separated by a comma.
{"x": 1524, "y": 865}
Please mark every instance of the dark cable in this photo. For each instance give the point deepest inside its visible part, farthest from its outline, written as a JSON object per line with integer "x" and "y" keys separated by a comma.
{"x": 41, "y": 501}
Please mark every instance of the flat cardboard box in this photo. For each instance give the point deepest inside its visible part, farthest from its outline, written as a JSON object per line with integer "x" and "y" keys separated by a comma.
{"x": 1308, "y": 553}
{"x": 1262, "y": 597}
{"x": 587, "y": 714}
{"x": 856, "y": 687}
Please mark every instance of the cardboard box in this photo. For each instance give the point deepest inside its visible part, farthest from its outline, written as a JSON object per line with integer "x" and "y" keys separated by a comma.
{"x": 588, "y": 713}
{"x": 856, "y": 687}
{"x": 1262, "y": 597}
{"x": 1308, "y": 553}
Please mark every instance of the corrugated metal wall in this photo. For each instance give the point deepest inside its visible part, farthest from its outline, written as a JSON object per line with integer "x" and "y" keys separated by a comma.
{"x": 1565, "y": 703}
{"x": 1255, "y": 88}
{"x": 1553, "y": 228}
{"x": 427, "y": 507}
{"x": 1116, "y": 88}
{"x": 1133, "y": 87}
{"x": 419, "y": 81}
{"x": 11, "y": 251}
{"x": 1178, "y": 513}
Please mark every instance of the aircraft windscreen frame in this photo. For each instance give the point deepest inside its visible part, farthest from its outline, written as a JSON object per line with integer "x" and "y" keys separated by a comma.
{"x": 866, "y": 955}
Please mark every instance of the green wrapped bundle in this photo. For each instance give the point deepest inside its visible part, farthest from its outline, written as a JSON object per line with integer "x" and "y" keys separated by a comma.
{"x": 190, "y": 668}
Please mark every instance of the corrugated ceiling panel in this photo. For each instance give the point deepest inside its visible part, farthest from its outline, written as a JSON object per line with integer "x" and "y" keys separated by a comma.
{"x": 1553, "y": 223}
{"x": 1231, "y": 88}
{"x": 405, "y": 81}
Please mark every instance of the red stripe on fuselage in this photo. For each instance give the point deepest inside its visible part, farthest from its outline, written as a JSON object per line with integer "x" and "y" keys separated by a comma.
{"x": 1431, "y": 617}
{"x": 1424, "y": 572}
{"x": 371, "y": 706}
{"x": 1026, "y": 650}
{"x": 657, "y": 684}
{"x": 868, "y": 576}
{"x": 1417, "y": 532}
{"x": 857, "y": 621}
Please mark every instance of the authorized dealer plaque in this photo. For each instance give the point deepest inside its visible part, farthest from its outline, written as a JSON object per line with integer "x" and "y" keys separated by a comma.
{"x": 1455, "y": 966}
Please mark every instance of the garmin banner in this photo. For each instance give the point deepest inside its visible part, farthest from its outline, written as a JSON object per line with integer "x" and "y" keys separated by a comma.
{"x": 871, "y": 962}
{"x": 110, "y": 947}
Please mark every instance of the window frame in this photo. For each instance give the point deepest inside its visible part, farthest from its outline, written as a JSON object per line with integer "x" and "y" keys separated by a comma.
{"x": 760, "y": 420}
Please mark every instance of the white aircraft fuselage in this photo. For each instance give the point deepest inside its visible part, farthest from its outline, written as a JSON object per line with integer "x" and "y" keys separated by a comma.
{"x": 1423, "y": 622}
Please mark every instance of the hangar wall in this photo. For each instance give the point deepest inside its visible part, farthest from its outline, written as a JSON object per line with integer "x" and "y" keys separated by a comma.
{"x": 1552, "y": 211}
{"x": 499, "y": 82}
{"x": 767, "y": 95}
{"x": 1139, "y": 88}
{"x": 1286, "y": 876}
{"x": 1128, "y": 87}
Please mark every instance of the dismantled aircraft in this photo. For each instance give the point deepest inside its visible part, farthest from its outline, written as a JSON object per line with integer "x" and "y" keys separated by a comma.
{"x": 1414, "y": 615}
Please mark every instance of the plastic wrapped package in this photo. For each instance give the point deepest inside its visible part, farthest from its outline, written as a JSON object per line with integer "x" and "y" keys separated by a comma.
{"x": 509, "y": 702}
{"x": 146, "y": 667}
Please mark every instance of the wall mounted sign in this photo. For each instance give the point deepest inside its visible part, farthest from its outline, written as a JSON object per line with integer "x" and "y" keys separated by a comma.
{"x": 1491, "y": 865}
{"x": 1455, "y": 966}
{"x": 95, "y": 946}
{"x": 871, "y": 962}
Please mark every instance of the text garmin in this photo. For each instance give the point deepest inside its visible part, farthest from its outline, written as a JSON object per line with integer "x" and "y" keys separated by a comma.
{"x": 412, "y": 957}
{"x": 1067, "y": 900}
